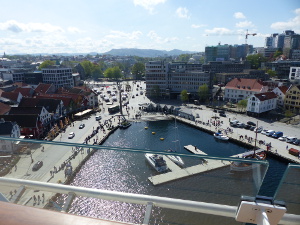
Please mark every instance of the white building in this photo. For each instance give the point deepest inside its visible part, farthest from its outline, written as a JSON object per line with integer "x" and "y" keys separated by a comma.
{"x": 11, "y": 130}
{"x": 294, "y": 74}
{"x": 239, "y": 89}
{"x": 60, "y": 77}
{"x": 280, "y": 92}
{"x": 260, "y": 103}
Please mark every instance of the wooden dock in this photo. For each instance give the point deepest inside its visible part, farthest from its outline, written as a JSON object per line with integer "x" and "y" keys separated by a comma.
{"x": 178, "y": 172}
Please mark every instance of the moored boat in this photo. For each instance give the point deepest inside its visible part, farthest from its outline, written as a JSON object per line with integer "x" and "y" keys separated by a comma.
{"x": 157, "y": 162}
{"x": 220, "y": 136}
{"x": 175, "y": 159}
{"x": 125, "y": 124}
{"x": 243, "y": 166}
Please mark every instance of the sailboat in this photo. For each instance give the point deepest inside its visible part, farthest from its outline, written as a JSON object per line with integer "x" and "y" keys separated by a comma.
{"x": 254, "y": 154}
{"x": 174, "y": 158}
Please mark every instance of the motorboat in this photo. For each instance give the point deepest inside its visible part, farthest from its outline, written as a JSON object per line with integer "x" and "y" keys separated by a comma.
{"x": 220, "y": 136}
{"x": 125, "y": 124}
{"x": 175, "y": 159}
{"x": 157, "y": 162}
{"x": 243, "y": 166}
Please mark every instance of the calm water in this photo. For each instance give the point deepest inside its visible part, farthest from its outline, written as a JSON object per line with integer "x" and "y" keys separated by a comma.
{"x": 128, "y": 172}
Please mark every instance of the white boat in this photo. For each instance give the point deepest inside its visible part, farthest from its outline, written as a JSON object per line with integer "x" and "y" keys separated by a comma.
{"x": 157, "y": 162}
{"x": 243, "y": 166}
{"x": 175, "y": 159}
{"x": 220, "y": 136}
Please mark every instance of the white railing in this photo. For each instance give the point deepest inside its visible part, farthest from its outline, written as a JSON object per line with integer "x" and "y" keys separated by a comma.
{"x": 149, "y": 201}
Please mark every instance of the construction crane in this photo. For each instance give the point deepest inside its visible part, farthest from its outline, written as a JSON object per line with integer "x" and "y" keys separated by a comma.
{"x": 247, "y": 34}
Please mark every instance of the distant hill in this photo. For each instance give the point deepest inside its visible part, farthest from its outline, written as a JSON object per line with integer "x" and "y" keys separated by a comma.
{"x": 145, "y": 52}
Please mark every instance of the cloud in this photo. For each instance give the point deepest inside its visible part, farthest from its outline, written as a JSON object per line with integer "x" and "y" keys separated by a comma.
{"x": 18, "y": 27}
{"x": 148, "y": 4}
{"x": 114, "y": 34}
{"x": 244, "y": 24}
{"x": 198, "y": 25}
{"x": 293, "y": 23}
{"x": 218, "y": 30}
{"x": 182, "y": 13}
{"x": 154, "y": 36}
{"x": 239, "y": 15}
{"x": 75, "y": 30}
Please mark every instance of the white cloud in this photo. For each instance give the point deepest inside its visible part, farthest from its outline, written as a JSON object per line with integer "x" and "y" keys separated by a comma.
{"x": 293, "y": 23}
{"x": 75, "y": 30}
{"x": 245, "y": 23}
{"x": 198, "y": 25}
{"x": 154, "y": 36}
{"x": 239, "y": 15}
{"x": 218, "y": 30}
{"x": 114, "y": 34}
{"x": 17, "y": 27}
{"x": 182, "y": 12}
{"x": 148, "y": 4}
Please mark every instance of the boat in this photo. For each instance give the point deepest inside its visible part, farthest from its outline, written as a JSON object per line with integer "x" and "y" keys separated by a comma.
{"x": 220, "y": 136}
{"x": 157, "y": 162}
{"x": 175, "y": 159}
{"x": 125, "y": 124}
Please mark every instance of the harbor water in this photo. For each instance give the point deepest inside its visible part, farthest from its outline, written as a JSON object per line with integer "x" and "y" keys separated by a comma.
{"x": 128, "y": 172}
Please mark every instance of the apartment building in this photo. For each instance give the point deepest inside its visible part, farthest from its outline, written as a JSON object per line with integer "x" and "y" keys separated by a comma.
{"x": 60, "y": 77}
{"x": 261, "y": 103}
{"x": 292, "y": 98}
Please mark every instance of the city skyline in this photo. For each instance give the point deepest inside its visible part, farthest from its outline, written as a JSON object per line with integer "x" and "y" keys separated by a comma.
{"x": 99, "y": 26}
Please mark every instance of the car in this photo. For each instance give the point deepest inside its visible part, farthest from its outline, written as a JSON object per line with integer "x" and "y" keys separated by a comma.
{"x": 247, "y": 127}
{"x": 270, "y": 132}
{"x": 290, "y": 139}
{"x": 258, "y": 129}
{"x": 215, "y": 110}
{"x": 234, "y": 123}
{"x": 98, "y": 118}
{"x": 71, "y": 135}
{"x": 297, "y": 142}
{"x": 137, "y": 94}
{"x": 283, "y": 138}
{"x": 240, "y": 125}
{"x": 37, "y": 165}
{"x": 251, "y": 123}
{"x": 81, "y": 126}
{"x": 277, "y": 134}
{"x": 222, "y": 114}
{"x": 264, "y": 132}
{"x": 132, "y": 96}
{"x": 252, "y": 128}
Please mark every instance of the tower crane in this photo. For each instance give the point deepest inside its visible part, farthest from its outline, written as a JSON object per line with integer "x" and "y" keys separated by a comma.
{"x": 247, "y": 34}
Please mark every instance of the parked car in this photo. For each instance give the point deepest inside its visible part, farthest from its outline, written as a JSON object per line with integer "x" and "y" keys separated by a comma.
{"x": 297, "y": 142}
{"x": 222, "y": 114}
{"x": 98, "y": 118}
{"x": 270, "y": 132}
{"x": 81, "y": 126}
{"x": 251, "y": 123}
{"x": 290, "y": 139}
{"x": 252, "y": 128}
{"x": 240, "y": 125}
{"x": 277, "y": 134}
{"x": 234, "y": 123}
{"x": 264, "y": 132}
{"x": 247, "y": 127}
{"x": 37, "y": 165}
{"x": 283, "y": 138}
{"x": 258, "y": 129}
{"x": 71, "y": 135}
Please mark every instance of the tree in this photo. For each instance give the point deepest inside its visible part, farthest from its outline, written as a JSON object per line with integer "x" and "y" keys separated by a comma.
{"x": 203, "y": 92}
{"x": 256, "y": 60}
{"x": 46, "y": 63}
{"x": 138, "y": 69}
{"x": 87, "y": 66}
{"x": 242, "y": 104}
{"x": 184, "y": 96}
{"x": 113, "y": 73}
{"x": 155, "y": 91}
{"x": 272, "y": 73}
{"x": 183, "y": 57}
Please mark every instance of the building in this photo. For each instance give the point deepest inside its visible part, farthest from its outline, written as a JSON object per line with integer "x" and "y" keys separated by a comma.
{"x": 282, "y": 67}
{"x": 224, "y": 67}
{"x": 224, "y": 78}
{"x": 11, "y": 130}
{"x": 294, "y": 74}
{"x": 59, "y": 77}
{"x": 280, "y": 92}
{"x": 35, "y": 77}
{"x": 261, "y": 103}
{"x": 239, "y": 89}
{"x": 292, "y": 99}
{"x": 169, "y": 79}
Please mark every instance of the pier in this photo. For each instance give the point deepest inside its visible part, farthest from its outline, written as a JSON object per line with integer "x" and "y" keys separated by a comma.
{"x": 178, "y": 172}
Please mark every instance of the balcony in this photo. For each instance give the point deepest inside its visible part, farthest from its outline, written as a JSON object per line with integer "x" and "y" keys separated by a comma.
{"x": 109, "y": 185}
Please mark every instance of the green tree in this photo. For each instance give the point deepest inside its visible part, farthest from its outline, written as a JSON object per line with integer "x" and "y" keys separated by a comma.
{"x": 113, "y": 73}
{"x": 242, "y": 104}
{"x": 88, "y": 67}
{"x": 256, "y": 60}
{"x": 277, "y": 53}
{"x": 184, "y": 96}
{"x": 96, "y": 72}
{"x": 272, "y": 73}
{"x": 138, "y": 70}
{"x": 203, "y": 92}
{"x": 46, "y": 63}
{"x": 183, "y": 58}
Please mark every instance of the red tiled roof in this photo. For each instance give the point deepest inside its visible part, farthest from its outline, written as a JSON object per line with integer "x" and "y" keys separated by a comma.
{"x": 66, "y": 100}
{"x": 265, "y": 96}
{"x": 247, "y": 84}
{"x": 10, "y": 95}
{"x": 283, "y": 89}
{"x": 42, "y": 88}
{"x": 26, "y": 92}
{"x": 4, "y": 108}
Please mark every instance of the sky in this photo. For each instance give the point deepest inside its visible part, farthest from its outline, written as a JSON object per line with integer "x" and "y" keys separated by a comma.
{"x": 83, "y": 26}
